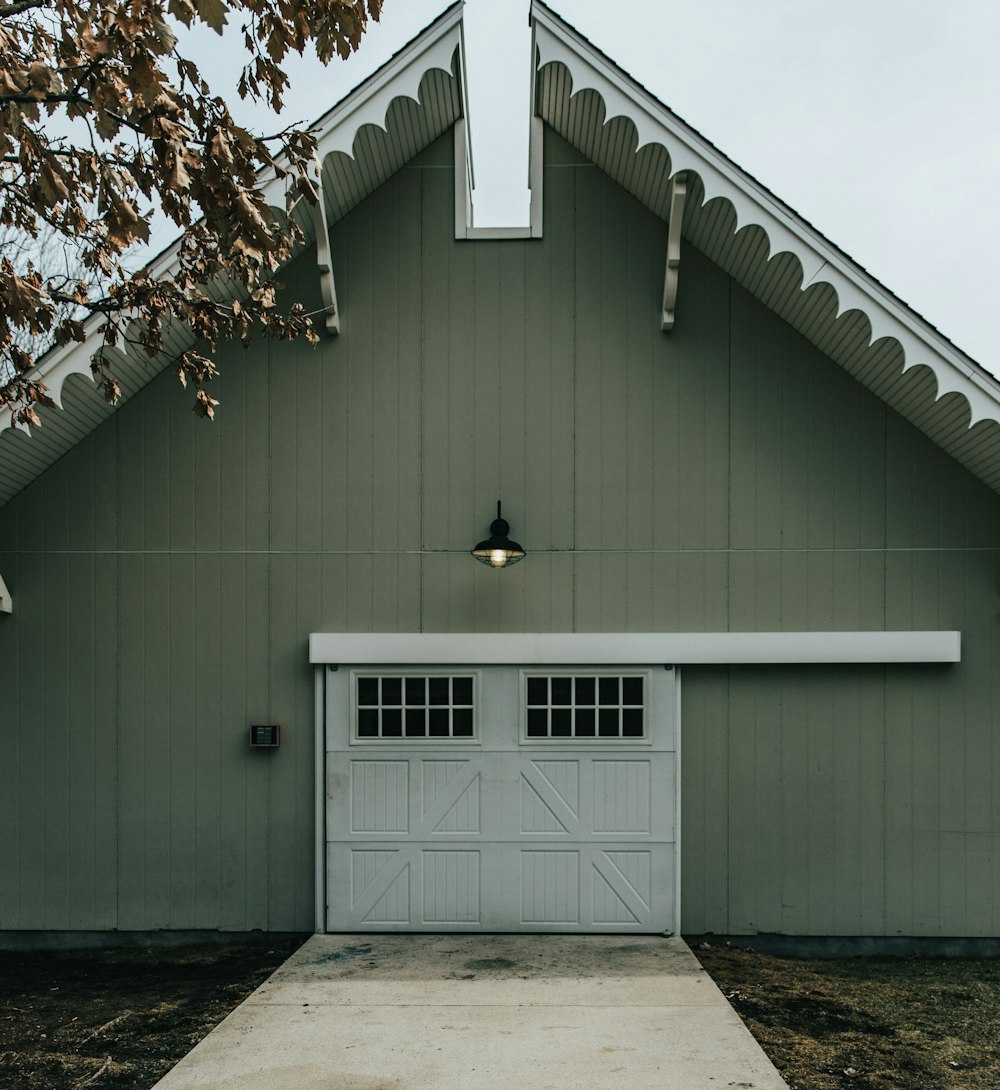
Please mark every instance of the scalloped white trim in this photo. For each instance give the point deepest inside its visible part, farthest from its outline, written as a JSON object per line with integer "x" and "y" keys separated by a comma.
{"x": 400, "y": 78}
{"x": 558, "y": 43}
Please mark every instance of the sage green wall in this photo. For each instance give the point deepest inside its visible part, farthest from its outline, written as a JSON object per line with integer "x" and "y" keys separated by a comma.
{"x": 167, "y": 572}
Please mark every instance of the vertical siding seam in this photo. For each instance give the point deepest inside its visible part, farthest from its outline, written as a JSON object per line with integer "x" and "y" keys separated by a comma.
{"x": 45, "y": 747}
{"x": 885, "y": 513}
{"x": 12, "y": 913}
{"x": 574, "y": 562}
{"x": 220, "y": 762}
{"x": 93, "y": 770}
{"x": 729, "y": 606}
{"x": 729, "y": 452}
{"x": 421, "y": 439}
{"x": 884, "y": 899}
{"x": 729, "y": 579}
{"x": 70, "y": 909}
{"x": 168, "y": 908}
{"x": 269, "y": 629}
{"x": 18, "y": 696}
{"x": 118, "y": 669}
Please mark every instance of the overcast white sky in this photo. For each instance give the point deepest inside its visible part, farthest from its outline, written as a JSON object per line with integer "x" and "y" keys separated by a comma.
{"x": 876, "y": 120}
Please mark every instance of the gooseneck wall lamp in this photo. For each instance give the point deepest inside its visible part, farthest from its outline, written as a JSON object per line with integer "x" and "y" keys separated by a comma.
{"x": 498, "y": 551}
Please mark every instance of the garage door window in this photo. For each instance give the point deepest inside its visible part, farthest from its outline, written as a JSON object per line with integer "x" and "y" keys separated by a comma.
{"x": 585, "y": 706}
{"x": 414, "y": 706}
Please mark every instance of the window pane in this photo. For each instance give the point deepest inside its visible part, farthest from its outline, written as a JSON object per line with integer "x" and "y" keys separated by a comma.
{"x": 585, "y": 706}
{"x": 538, "y": 690}
{"x": 461, "y": 721}
{"x": 608, "y": 727}
{"x": 392, "y": 722}
{"x": 368, "y": 690}
{"x": 585, "y": 690}
{"x": 439, "y": 726}
{"x": 438, "y": 687}
{"x": 585, "y": 722}
{"x": 368, "y": 723}
{"x": 416, "y": 690}
{"x": 562, "y": 690}
{"x": 414, "y": 706}
{"x": 631, "y": 690}
{"x": 562, "y": 723}
{"x": 538, "y": 723}
{"x": 632, "y": 722}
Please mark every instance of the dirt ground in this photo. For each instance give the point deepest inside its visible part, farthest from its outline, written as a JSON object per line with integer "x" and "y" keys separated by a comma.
{"x": 868, "y": 1023}
{"x": 122, "y": 1018}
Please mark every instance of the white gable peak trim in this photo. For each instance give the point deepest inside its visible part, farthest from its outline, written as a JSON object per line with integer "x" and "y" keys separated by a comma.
{"x": 399, "y": 77}
{"x": 6, "y": 603}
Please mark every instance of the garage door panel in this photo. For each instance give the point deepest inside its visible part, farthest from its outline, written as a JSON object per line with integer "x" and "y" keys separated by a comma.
{"x": 500, "y": 832}
{"x": 450, "y": 797}
{"x": 380, "y": 886}
{"x": 620, "y": 796}
{"x": 403, "y": 796}
{"x": 450, "y": 886}
{"x": 416, "y": 886}
{"x": 621, "y": 889}
{"x": 550, "y": 887}
{"x": 380, "y": 797}
{"x": 550, "y": 794}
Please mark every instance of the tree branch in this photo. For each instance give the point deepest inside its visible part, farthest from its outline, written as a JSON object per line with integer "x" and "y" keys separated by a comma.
{"x": 21, "y": 5}
{"x": 34, "y": 100}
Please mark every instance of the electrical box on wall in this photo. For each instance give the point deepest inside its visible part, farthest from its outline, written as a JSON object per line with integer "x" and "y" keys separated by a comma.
{"x": 265, "y": 735}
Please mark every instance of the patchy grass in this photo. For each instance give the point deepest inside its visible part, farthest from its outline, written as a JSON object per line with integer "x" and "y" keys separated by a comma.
{"x": 868, "y": 1023}
{"x": 120, "y": 1018}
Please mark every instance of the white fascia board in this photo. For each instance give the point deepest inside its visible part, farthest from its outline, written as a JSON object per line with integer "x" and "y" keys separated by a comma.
{"x": 6, "y": 603}
{"x": 821, "y": 262}
{"x": 611, "y": 648}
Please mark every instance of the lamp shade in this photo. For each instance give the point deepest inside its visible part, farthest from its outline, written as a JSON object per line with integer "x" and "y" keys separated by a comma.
{"x": 498, "y": 551}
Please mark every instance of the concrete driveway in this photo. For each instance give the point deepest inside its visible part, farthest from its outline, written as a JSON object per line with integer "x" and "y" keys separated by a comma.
{"x": 482, "y": 1012}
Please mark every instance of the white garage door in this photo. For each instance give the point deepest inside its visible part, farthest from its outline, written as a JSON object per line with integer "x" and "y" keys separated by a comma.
{"x": 501, "y": 799}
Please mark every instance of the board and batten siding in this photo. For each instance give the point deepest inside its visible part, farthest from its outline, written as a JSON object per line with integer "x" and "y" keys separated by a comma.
{"x": 166, "y": 574}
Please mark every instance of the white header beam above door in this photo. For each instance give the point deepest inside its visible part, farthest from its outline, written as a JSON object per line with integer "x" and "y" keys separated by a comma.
{"x": 609, "y": 648}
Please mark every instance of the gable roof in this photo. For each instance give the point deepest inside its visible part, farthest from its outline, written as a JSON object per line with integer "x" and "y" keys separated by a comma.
{"x": 582, "y": 95}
